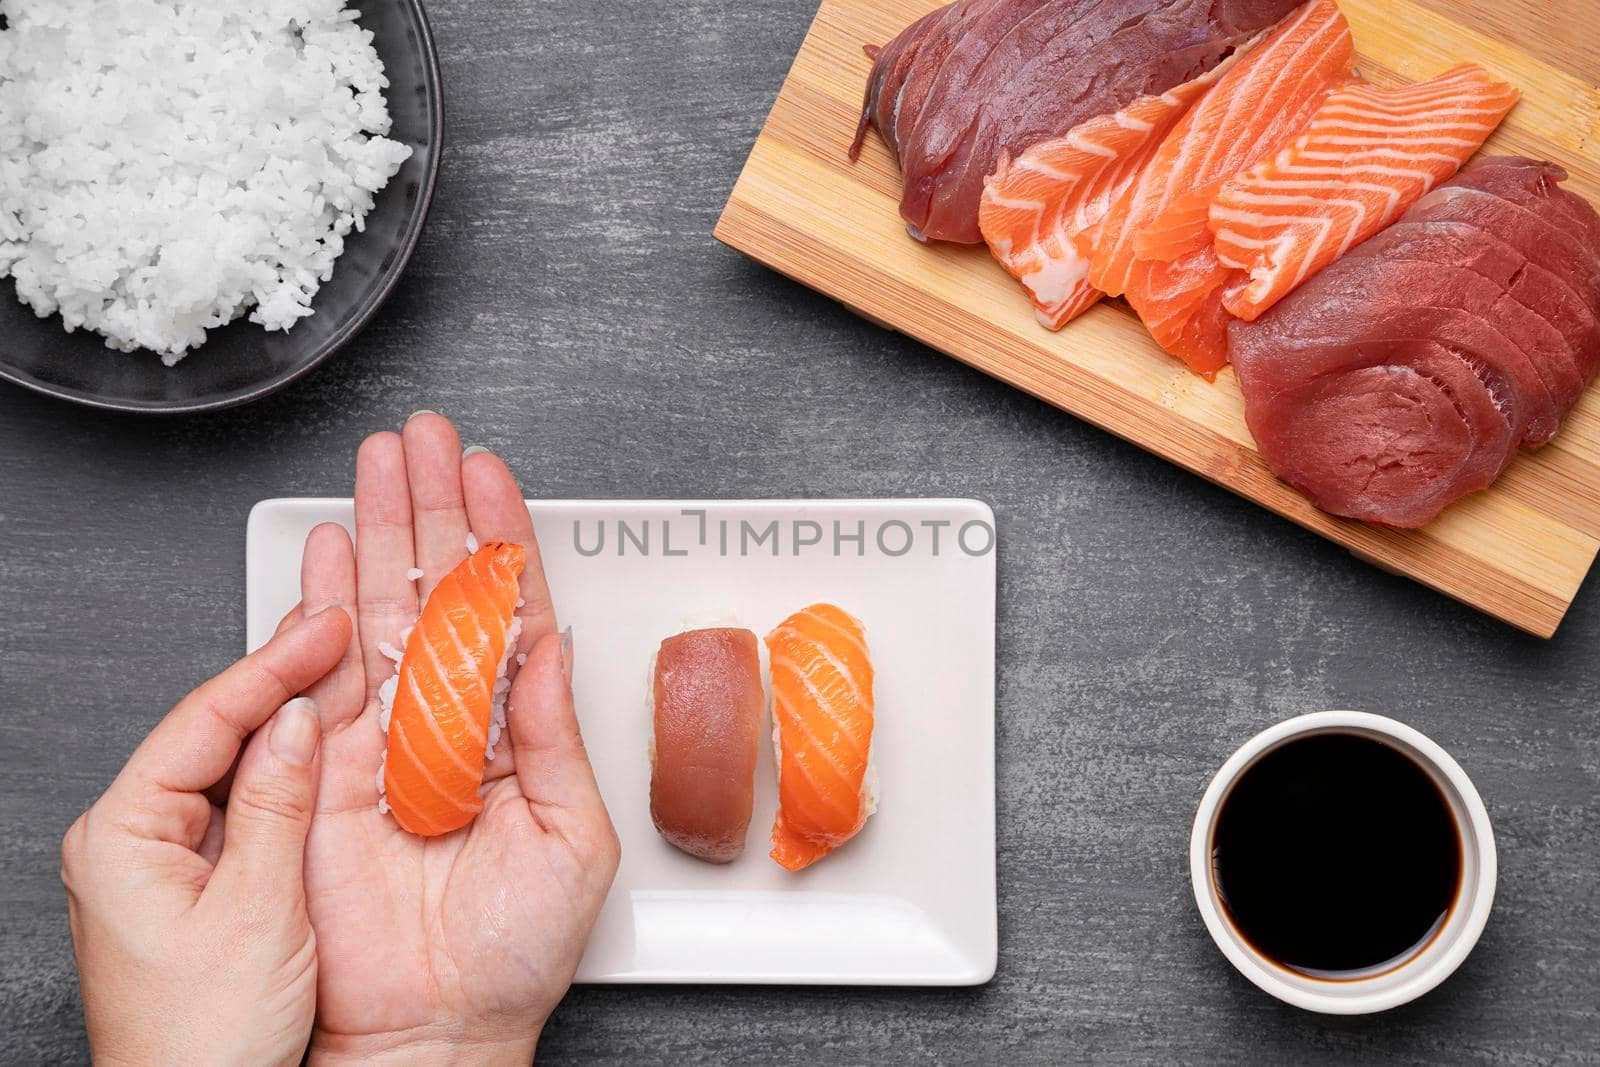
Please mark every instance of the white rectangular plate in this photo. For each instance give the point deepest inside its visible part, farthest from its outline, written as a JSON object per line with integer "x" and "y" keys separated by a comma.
{"x": 911, "y": 900}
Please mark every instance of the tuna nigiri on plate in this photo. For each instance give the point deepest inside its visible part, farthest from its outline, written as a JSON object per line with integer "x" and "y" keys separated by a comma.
{"x": 445, "y": 707}
{"x": 909, "y": 899}
{"x": 706, "y": 710}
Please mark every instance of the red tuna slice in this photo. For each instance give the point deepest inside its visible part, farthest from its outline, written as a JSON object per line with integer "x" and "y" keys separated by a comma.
{"x": 940, "y": 42}
{"x": 1492, "y": 269}
{"x": 1483, "y": 286}
{"x": 959, "y": 103}
{"x": 1552, "y": 298}
{"x": 1543, "y": 233}
{"x": 980, "y": 34}
{"x": 1281, "y": 361}
{"x": 1339, "y": 419}
{"x": 1534, "y": 184}
{"x": 1066, "y": 63}
{"x": 1498, "y": 248}
{"x": 1575, "y": 251}
{"x": 890, "y": 65}
{"x": 1118, "y": 51}
{"x": 1395, "y": 431}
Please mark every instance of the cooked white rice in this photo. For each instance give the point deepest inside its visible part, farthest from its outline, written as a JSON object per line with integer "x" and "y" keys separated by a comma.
{"x": 168, "y": 165}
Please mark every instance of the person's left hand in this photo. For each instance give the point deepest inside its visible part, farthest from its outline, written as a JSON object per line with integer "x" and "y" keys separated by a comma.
{"x": 189, "y": 918}
{"x": 453, "y": 948}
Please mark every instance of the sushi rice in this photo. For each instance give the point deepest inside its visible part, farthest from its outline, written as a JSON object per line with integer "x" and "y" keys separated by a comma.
{"x": 167, "y": 166}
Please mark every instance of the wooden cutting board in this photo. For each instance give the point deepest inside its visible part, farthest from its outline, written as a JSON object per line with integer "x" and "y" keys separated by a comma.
{"x": 1518, "y": 551}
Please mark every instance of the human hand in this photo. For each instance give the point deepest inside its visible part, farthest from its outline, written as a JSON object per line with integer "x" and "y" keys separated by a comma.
{"x": 184, "y": 890}
{"x": 456, "y": 946}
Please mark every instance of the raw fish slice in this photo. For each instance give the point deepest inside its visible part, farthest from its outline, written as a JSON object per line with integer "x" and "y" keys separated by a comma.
{"x": 985, "y": 28}
{"x": 998, "y": 76}
{"x": 1554, "y": 228}
{"x": 1366, "y": 156}
{"x": 1186, "y": 223}
{"x": 1430, "y": 452}
{"x": 1534, "y": 353}
{"x": 1553, "y": 268}
{"x": 1263, "y": 101}
{"x": 938, "y": 42}
{"x": 1536, "y": 286}
{"x": 1535, "y": 186}
{"x": 1518, "y": 395}
{"x": 890, "y": 65}
{"x": 706, "y": 710}
{"x": 1180, "y": 303}
{"x": 442, "y": 718}
{"x": 1562, "y": 247}
{"x": 1034, "y": 206}
{"x": 1532, "y": 191}
{"x": 1366, "y": 387}
{"x": 1416, "y": 410}
{"x": 1003, "y": 93}
{"x": 823, "y": 707}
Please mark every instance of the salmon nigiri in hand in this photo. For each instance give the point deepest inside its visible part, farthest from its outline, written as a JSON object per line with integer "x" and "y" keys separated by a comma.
{"x": 445, "y": 708}
{"x": 822, "y": 705}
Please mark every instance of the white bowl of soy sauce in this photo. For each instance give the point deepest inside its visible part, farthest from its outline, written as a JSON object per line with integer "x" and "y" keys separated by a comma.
{"x": 1343, "y": 862}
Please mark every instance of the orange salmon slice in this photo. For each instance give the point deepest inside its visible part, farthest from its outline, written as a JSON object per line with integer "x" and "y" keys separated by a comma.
{"x": 439, "y": 726}
{"x": 823, "y": 706}
{"x": 1154, "y": 244}
{"x": 1367, "y": 155}
{"x": 1035, "y": 206}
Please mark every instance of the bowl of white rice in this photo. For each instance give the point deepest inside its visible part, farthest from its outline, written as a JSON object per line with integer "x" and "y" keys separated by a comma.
{"x": 202, "y": 200}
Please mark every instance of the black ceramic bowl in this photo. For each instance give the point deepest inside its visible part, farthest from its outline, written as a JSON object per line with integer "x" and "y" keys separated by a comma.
{"x": 242, "y": 362}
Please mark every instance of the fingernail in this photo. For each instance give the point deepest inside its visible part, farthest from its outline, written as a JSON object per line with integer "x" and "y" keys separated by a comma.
{"x": 422, "y": 411}
{"x": 474, "y": 450}
{"x": 296, "y": 731}
{"x": 566, "y": 652}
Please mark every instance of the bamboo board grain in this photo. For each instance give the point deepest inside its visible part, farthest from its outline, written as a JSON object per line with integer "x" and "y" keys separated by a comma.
{"x": 1519, "y": 551}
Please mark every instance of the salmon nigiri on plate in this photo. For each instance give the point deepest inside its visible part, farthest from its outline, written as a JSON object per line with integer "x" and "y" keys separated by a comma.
{"x": 876, "y": 626}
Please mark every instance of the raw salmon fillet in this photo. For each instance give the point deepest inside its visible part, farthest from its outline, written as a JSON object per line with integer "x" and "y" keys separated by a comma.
{"x": 1035, "y": 205}
{"x": 1154, "y": 245}
{"x": 442, "y": 719}
{"x": 1367, "y": 155}
{"x": 822, "y": 704}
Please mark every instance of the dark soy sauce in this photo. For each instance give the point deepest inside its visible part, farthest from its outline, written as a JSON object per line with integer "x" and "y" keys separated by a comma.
{"x": 1336, "y": 856}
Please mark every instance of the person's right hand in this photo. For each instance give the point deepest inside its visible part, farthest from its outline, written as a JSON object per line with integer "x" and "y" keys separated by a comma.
{"x": 184, "y": 887}
{"x": 455, "y": 947}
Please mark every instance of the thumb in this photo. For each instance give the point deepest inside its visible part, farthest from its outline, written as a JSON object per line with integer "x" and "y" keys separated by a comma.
{"x": 546, "y": 746}
{"x": 269, "y": 809}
